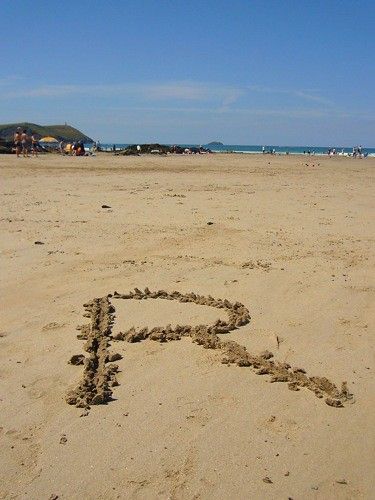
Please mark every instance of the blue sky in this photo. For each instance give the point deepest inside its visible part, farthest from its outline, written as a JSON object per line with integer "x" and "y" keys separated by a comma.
{"x": 280, "y": 72}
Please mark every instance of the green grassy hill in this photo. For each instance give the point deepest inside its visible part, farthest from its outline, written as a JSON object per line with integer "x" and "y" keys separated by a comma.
{"x": 60, "y": 132}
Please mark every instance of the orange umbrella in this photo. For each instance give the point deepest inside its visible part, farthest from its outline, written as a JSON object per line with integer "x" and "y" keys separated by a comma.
{"x": 48, "y": 139}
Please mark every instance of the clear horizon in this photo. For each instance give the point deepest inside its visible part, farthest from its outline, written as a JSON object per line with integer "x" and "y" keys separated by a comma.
{"x": 245, "y": 73}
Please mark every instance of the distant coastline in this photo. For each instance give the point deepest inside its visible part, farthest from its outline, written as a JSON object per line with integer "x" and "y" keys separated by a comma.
{"x": 257, "y": 149}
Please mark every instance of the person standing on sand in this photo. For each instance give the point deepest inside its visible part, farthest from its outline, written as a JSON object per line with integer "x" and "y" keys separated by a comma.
{"x": 17, "y": 141}
{"x": 34, "y": 145}
{"x": 24, "y": 141}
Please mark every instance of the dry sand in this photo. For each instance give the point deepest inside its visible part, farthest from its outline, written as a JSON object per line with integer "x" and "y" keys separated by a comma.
{"x": 291, "y": 239}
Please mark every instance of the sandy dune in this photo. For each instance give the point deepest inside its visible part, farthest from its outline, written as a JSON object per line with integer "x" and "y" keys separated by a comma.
{"x": 291, "y": 238}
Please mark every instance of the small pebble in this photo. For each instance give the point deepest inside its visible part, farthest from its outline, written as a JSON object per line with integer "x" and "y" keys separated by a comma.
{"x": 77, "y": 359}
{"x": 341, "y": 481}
{"x": 267, "y": 480}
{"x": 63, "y": 439}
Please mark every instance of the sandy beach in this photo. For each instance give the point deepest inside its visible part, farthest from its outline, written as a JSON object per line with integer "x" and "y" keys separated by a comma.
{"x": 290, "y": 238}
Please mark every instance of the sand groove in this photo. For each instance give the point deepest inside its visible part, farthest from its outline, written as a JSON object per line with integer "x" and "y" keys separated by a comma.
{"x": 99, "y": 377}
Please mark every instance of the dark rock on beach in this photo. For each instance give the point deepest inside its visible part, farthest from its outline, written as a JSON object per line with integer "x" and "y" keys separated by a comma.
{"x": 5, "y": 147}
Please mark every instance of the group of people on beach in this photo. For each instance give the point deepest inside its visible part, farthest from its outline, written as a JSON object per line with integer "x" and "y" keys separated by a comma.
{"x": 271, "y": 151}
{"x": 357, "y": 152}
{"x": 23, "y": 143}
{"x": 77, "y": 148}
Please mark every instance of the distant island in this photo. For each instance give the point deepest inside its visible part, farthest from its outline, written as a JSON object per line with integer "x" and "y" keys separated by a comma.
{"x": 60, "y": 132}
{"x": 215, "y": 143}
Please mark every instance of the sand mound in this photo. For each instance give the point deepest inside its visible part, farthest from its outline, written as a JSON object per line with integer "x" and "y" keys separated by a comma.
{"x": 99, "y": 374}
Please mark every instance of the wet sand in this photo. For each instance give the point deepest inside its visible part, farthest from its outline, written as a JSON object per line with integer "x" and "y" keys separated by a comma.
{"x": 288, "y": 238}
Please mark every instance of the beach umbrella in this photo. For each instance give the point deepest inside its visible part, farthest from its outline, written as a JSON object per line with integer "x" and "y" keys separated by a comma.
{"x": 48, "y": 139}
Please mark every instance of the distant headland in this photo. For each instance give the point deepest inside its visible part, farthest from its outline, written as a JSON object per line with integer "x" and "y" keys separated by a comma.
{"x": 215, "y": 143}
{"x": 65, "y": 132}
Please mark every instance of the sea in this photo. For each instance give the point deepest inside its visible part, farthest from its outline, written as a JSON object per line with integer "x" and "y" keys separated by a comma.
{"x": 281, "y": 150}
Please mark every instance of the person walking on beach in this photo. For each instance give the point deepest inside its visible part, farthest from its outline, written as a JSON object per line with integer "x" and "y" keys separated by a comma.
{"x": 17, "y": 141}
{"x": 34, "y": 145}
{"x": 24, "y": 142}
